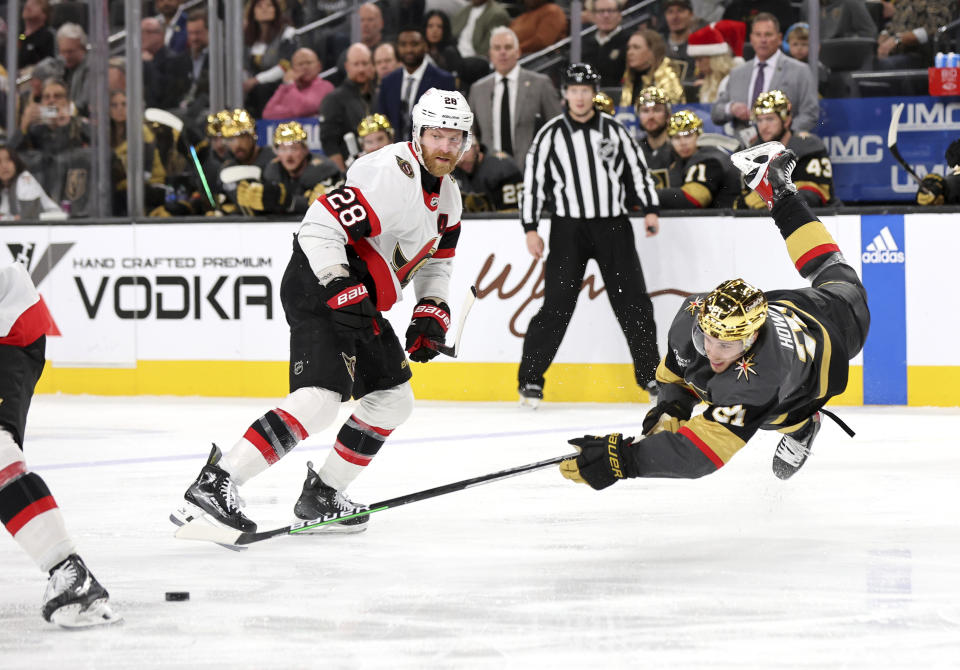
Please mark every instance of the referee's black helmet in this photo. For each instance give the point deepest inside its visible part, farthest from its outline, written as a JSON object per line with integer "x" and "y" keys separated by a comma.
{"x": 581, "y": 74}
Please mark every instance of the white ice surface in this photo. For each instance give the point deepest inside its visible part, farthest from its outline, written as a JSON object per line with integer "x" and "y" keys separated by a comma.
{"x": 854, "y": 563}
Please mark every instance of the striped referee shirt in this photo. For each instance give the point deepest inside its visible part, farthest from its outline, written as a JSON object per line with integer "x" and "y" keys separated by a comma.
{"x": 589, "y": 170}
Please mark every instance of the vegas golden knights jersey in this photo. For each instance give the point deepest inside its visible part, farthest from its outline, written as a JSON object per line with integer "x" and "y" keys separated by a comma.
{"x": 705, "y": 179}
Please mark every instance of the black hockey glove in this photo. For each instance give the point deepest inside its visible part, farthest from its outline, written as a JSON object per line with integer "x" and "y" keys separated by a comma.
{"x": 936, "y": 188}
{"x": 601, "y": 461}
{"x": 666, "y": 416}
{"x": 354, "y": 314}
{"x": 428, "y": 327}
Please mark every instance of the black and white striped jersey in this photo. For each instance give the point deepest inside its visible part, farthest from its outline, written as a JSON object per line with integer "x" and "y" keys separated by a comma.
{"x": 586, "y": 170}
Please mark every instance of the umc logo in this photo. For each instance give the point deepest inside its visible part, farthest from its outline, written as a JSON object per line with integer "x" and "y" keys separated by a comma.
{"x": 883, "y": 249}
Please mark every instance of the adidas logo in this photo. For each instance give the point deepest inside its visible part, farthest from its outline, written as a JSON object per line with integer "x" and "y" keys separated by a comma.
{"x": 883, "y": 249}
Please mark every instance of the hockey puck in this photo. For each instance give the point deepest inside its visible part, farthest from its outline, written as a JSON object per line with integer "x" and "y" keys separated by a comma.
{"x": 177, "y": 595}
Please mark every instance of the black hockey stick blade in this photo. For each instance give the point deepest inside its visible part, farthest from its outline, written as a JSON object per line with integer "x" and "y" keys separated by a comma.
{"x": 467, "y": 305}
{"x": 198, "y": 529}
{"x": 892, "y": 144}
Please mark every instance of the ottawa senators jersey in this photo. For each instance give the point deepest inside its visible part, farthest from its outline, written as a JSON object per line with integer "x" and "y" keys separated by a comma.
{"x": 390, "y": 220}
{"x": 24, "y": 317}
{"x": 705, "y": 179}
{"x": 318, "y": 177}
{"x": 494, "y": 186}
{"x": 659, "y": 161}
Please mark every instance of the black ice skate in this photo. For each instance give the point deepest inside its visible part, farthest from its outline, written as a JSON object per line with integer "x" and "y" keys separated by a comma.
{"x": 74, "y": 598}
{"x": 794, "y": 448}
{"x": 767, "y": 169}
{"x": 319, "y": 500}
{"x": 530, "y": 395}
{"x": 213, "y": 495}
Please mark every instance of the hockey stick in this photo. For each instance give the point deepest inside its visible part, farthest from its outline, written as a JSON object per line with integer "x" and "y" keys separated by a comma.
{"x": 892, "y": 144}
{"x": 455, "y": 349}
{"x": 175, "y": 123}
{"x": 199, "y": 529}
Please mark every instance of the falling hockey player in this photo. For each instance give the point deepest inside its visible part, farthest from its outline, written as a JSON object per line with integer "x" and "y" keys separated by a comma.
{"x": 73, "y": 597}
{"x": 395, "y": 220}
{"x": 757, "y": 360}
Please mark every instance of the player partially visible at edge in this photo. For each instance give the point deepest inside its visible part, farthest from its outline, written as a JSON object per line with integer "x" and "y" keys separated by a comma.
{"x": 395, "y": 220}
{"x": 758, "y": 361}
{"x": 73, "y": 597}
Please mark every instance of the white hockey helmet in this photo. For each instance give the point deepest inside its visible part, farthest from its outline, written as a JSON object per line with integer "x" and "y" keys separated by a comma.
{"x": 441, "y": 109}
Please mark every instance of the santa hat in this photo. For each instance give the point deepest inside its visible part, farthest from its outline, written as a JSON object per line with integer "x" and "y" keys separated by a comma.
{"x": 734, "y": 33}
{"x": 708, "y": 41}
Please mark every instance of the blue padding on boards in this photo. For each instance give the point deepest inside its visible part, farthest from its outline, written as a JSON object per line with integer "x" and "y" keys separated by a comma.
{"x": 883, "y": 256}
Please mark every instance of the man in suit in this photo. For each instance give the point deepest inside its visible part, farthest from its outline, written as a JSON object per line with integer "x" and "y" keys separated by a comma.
{"x": 770, "y": 69}
{"x": 509, "y": 125}
{"x": 472, "y": 25}
{"x": 606, "y": 47}
{"x": 401, "y": 89}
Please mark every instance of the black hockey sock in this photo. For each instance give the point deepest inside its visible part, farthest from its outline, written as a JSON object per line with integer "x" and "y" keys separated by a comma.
{"x": 274, "y": 434}
{"x": 809, "y": 243}
{"x": 23, "y": 499}
{"x": 359, "y": 442}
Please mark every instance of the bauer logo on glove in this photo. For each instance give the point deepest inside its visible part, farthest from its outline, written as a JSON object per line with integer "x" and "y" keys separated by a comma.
{"x": 428, "y": 328}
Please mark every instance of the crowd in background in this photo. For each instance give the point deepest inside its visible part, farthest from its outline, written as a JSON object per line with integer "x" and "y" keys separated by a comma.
{"x": 707, "y": 51}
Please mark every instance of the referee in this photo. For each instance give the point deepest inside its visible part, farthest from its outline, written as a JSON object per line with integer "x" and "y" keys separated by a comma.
{"x": 587, "y": 168}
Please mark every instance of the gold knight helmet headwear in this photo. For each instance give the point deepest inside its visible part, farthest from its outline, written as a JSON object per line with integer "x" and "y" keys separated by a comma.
{"x": 733, "y": 311}
{"x": 652, "y": 95}
{"x": 684, "y": 122}
{"x": 772, "y": 102}
{"x": 604, "y": 103}
{"x": 373, "y": 124}
{"x": 239, "y": 123}
{"x": 215, "y": 123}
{"x": 289, "y": 133}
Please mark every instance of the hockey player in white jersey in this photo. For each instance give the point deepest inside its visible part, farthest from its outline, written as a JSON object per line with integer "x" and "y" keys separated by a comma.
{"x": 73, "y": 597}
{"x": 395, "y": 220}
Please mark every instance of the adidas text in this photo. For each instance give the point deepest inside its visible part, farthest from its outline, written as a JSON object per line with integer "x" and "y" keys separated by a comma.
{"x": 882, "y": 257}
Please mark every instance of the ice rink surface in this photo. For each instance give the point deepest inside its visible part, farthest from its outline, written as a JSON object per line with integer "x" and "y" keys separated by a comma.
{"x": 853, "y": 563}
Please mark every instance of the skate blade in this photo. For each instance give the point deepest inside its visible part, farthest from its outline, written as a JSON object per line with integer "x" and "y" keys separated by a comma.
{"x": 191, "y": 514}
{"x": 529, "y": 403}
{"x": 746, "y": 160}
{"x": 99, "y": 613}
{"x": 332, "y": 529}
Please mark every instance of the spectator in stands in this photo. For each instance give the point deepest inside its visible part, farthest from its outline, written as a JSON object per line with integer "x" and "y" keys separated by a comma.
{"x": 606, "y": 48}
{"x": 371, "y": 25}
{"x": 813, "y": 172}
{"x": 906, "y": 41}
{"x": 375, "y": 132}
{"x": 653, "y": 114}
{"x": 384, "y": 62}
{"x": 400, "y": 90}
{"x": 647, "y": 65}
{"x": 152, "y": 167}
{"x": 193, "y": 68}
{"x": 541, "y": 25}
{"x": 30, "y": 104}
{"x": 37, "y": 40}
{"x": 680, "y": 21}
{"x": 72, "y": 47}
{"x": 347, "y": 104}
{"x": 845, "y": 18}
{"x": 174, "y": 21}
{"x": 769, "y": 69}
{"x": 440, "y": 46}
{"x": 509, "y": 126}
{"x": 748, "y": 10}
{"x": 473, "y": 24}
{"x": 489, "y": 182}
{"x": 269, "y": 44}
{"x": 302, "y": 90}
{"x": 161, "y": 85}
{"x": 700, "y": 177}
{"x": 21, "y": 195}
{"x": 291, "y": 183}
{"x": 713, "y": 59}
{"x": 797, "y": 41}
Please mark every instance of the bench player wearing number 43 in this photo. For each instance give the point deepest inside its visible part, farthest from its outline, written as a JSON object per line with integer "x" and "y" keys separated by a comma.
{"x": 396, "y": 220}
{"x": 756, "y": 360}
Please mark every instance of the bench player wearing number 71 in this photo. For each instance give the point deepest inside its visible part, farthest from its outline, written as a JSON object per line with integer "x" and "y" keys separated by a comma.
{"x": 395, "y": 220}
{"x": 757, "y": 360}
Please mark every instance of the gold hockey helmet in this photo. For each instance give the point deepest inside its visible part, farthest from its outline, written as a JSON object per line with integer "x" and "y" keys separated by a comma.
{"x": 604, "y": 103}
{"x": 772, "y": 102}
{"x": 289, "y": 133}
{"x": 733, "y": 311}
{"x": 684, "y": 122}
{"x": 652, "y": 95}
{"x": 374, "y": 124}
{"x": 239, "y": 123}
